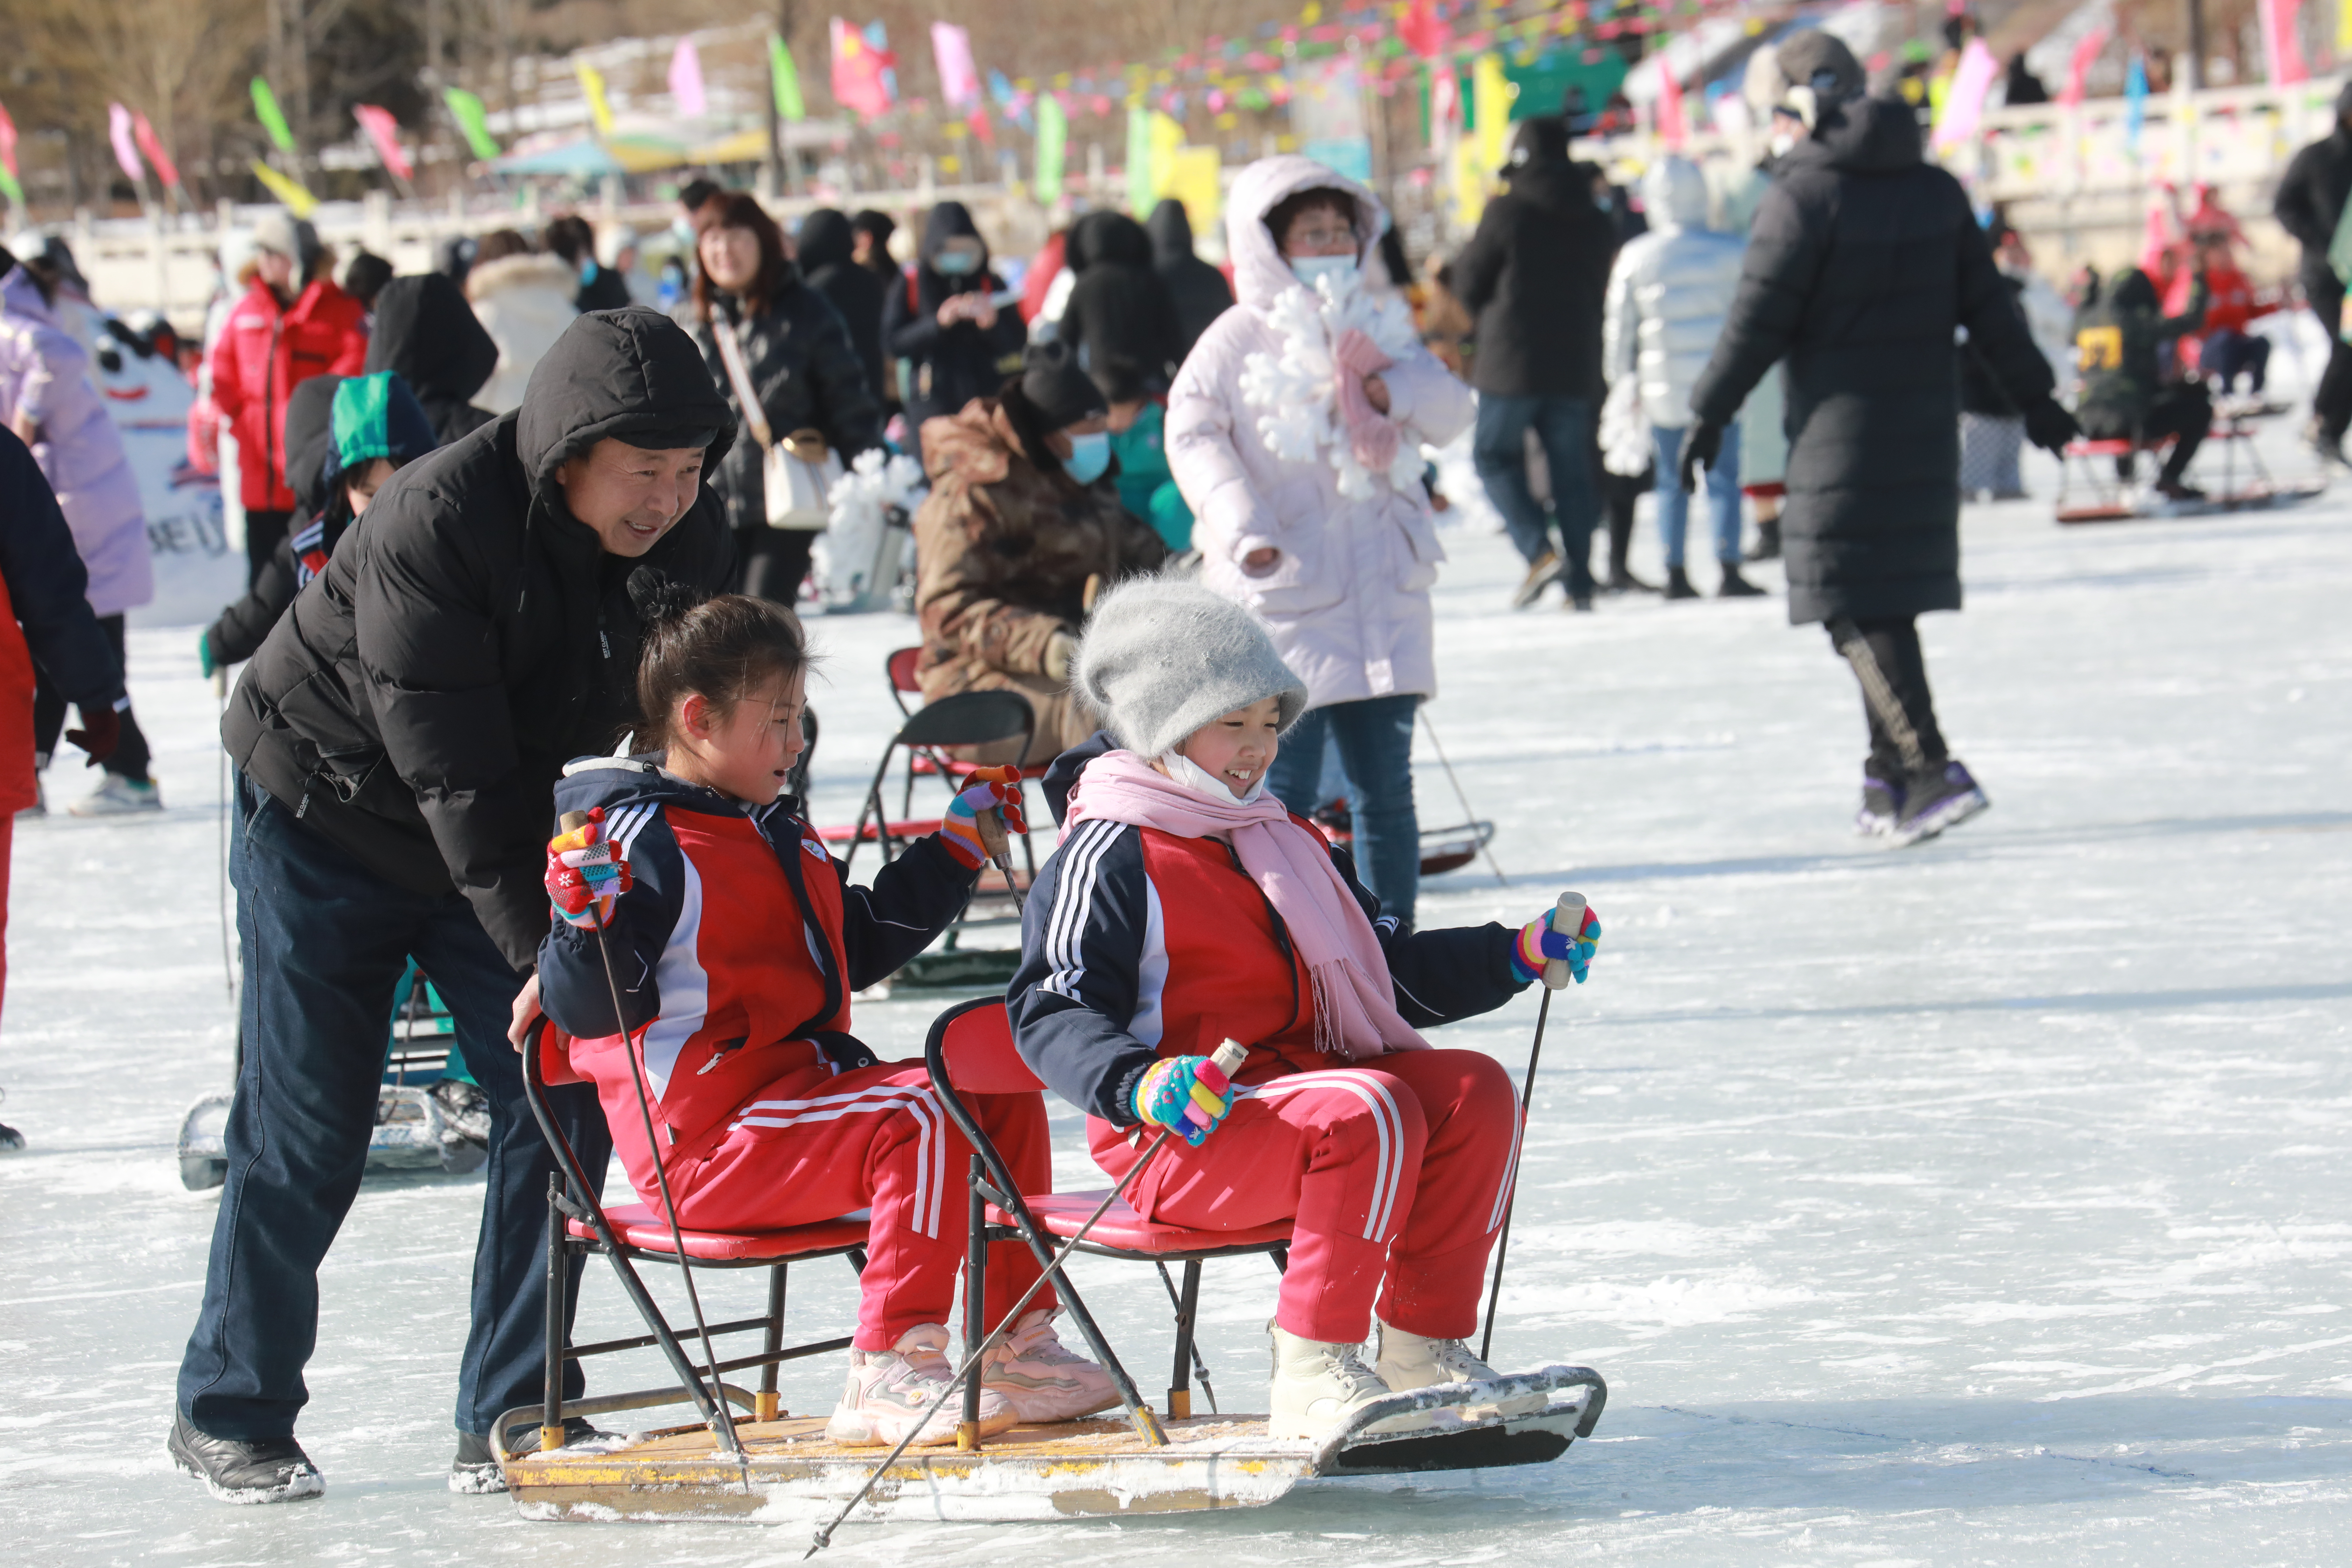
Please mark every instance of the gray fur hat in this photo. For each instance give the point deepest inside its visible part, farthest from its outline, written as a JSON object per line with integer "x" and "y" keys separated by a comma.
{"x": 1162, "y": 657}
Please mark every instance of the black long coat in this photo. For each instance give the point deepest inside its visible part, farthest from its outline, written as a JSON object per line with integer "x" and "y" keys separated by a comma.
{"x": 1861, "y": 261}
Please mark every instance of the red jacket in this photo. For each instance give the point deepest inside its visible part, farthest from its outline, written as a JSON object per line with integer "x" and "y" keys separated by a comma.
{"x": 264, "y": 353}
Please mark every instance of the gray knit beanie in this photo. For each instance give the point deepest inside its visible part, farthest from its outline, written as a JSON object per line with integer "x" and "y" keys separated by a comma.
{"x": 1162, "y": 657}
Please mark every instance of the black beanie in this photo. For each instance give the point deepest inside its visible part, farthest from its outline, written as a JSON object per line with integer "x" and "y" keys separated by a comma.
{"x": 1055, "y": 385}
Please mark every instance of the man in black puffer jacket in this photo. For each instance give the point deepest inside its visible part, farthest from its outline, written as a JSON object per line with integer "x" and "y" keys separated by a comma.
{"x": 1861, "y": 261}
{"x": 2309, "y": 205}
{"x": 826, "y": 246}
{"x": 427, "y": 332}
{"x": 1536, "y": 275}
{"x": 397, "y": 740}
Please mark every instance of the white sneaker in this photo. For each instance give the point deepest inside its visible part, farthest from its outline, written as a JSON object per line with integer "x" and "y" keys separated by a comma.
{"x": 1042, "y": 1379}
{"x": 119, "y": 796}
{"x": 905, "y": 1388}
{"x": 1409, "y": 1362}
{"x": 1317, "y": 1385}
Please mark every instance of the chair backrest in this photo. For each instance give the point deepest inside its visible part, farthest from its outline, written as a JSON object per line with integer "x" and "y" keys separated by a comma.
{"x": 900, "y": 667}
{"x": 969, "y": 718}
{"x": 972, "y": 1042}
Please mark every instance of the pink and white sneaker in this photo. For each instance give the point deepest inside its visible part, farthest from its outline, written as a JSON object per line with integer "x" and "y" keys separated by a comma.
{"x": 1041, "y": 1379}
{"x": 905, "y": 1388}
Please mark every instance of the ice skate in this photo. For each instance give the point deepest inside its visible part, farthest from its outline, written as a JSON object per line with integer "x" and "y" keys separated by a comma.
{"x": 1735, "y": 586}
{"x": 1678, "y": 584}
{"x": 475, "y": 1472}
{"x": 273, "y": 1470}
{"x": 904, "y": 1388}
{"x": 1768, "y": 541}
{"x": 119, "y": 796}
{"x": 1882, "y": 806}
{"x": 1541, "y": 573}
{"x": 1317, "y": 1385}
{"x": 1936, "y": 802}
{"x": 1042, "y": 1379}
{"x": 1407, "y": 1362}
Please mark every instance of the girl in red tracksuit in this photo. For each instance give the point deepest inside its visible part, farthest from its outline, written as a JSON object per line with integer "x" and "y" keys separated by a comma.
{"x": 736, "y": 940}
{"x": 1185, "y": 907}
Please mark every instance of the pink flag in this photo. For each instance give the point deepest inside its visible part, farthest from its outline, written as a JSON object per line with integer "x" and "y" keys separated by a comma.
{"x": 1422, "y": 30}
{"x": 1671, "y": 129}
{"x": 2282, "y": 52}
{"x": 857, "y": 67}
{"x": 1964, "y": 104}
{"x": 685, "y": 82}
{"x": 2078, "y": 66}
{"x": 385, "y": 131}
{"x": 117, "y": 131}
{"x": 8, "y": 143}
{"x": 959, "y": 77}
{"x": 153, "y": 145}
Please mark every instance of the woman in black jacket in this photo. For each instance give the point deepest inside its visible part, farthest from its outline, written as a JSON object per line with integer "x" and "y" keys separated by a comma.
{"x": 826, "y": 246}
{"x": 944, "y": 321}
{"x": 802, "y": 363}
{"x": 1120, "y": 310}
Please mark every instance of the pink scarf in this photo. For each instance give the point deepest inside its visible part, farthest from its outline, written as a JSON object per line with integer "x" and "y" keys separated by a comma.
{"x": 1371, "y": 433}
{"x": 1355, "y": 1000}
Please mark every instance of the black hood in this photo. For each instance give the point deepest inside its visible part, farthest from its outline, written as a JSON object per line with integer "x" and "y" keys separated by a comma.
{"x": 1865, "y": 136}
{"x": 2133, "y": 291}
{"x": 2343, "y": 108}
{"x": 1062, "y": 775}
{"x": 427, "y": 332}
{"x": 311, "y": 439}
{"x": 946, "y": 221}
{"x": 1111, "y": 236}
{"x": 825, "y": 239}
{"x": 617, "y": 373}
{"x": 1171, "y": 228}
{"x": 1555, "y": 184}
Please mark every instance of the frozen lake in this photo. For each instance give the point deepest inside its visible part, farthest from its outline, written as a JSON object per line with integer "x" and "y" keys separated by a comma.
{"x": 1987, "y": 1202}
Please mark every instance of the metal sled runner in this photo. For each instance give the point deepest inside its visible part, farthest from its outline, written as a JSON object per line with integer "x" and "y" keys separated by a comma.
{"x": 2086, "y": 494}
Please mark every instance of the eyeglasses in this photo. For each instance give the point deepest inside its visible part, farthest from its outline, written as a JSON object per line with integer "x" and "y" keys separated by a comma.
{"x": 1322, "y": 236}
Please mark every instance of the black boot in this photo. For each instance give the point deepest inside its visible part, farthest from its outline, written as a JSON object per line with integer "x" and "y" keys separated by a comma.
{"x": 475, "y": 1472}
{"x": 1768, "y": 540}
{"x": 1735, "y": 586}
{"x": 274, "y": 1471}
{"x": 10, "y": 1138}
{"x": 1678, "y": 584}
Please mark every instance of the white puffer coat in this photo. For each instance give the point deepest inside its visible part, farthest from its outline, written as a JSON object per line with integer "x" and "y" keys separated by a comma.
{"x": 1347, "y": 596}
{"x": 1669, "y": 293}
{"x": 524, "y": 302}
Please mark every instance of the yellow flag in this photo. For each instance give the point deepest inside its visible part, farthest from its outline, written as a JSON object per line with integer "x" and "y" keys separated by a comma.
{"x": 1491, "y": 98}
{"x": 2343, "y": 30}
{"x": 1167, "y": 135}
{"x": 293, "y": 193}
{"x": 1190, "y": 176}
{"x": 592, "y": 83}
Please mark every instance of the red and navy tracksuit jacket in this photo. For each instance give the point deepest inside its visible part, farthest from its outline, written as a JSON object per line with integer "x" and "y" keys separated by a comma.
{"x": 736, "y": 949}
{"x": 1138, "y": 944}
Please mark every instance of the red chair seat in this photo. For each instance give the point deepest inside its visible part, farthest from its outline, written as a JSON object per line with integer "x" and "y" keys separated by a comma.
{"x": 642, "y": 1227}
{"x": 914, "y": 829}
{"x": 1063, "y": 1213}
{"x": 2116, "y": 448}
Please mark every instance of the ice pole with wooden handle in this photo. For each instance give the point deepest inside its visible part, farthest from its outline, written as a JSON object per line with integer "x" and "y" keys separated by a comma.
{"x": 1568, "y": 919}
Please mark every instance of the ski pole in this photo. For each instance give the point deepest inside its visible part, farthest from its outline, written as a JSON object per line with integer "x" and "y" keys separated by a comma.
{"x": 1229, "y": 1058}
{"x": 1469, "y": 814}
{"x": 998, "y": 843}
{"x": 573, "y": 821}
{"x": 220, "y": 902}
{"x": 1568, "y": 915}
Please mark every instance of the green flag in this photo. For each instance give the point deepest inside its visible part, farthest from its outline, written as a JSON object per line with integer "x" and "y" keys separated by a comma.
{"x": 1053, "y": 135}
{"x": 472, "y": 120}
{"x": 265, "y": 105}
{"x": 1138, "y": 158}
{"x": 10, "y": 188}
{"x": 785, "y": 78}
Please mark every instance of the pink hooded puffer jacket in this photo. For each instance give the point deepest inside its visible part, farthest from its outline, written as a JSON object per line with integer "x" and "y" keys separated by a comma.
{"x": 44, "y": 372}
{"x": 1348, "y": 597}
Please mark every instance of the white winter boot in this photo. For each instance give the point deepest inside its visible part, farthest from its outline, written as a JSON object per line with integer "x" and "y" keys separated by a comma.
{"x": 1317, "y": 1385}
{"x": 1407, "y": 1362}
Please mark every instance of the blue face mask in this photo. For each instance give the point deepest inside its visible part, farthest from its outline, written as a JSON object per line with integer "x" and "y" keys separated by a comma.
{"x": 1340, "y": 269}
{"x": 1089, "y": 456}
{"x": 955, "y": 263}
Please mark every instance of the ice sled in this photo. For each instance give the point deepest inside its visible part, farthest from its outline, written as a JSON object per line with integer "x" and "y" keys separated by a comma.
{"x": 429, "y": 1116}
{"x": 771, "y": 1467}
{"x": 791, "y": 1474}
{"x": 2091, "y": 492}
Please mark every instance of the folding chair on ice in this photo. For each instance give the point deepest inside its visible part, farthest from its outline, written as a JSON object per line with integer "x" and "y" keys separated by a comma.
{"x": 900, "y": 668}
{"x": 631, "y": 1234}
{"x": 964, "y": 718}
{"x": 970, "y": 1051}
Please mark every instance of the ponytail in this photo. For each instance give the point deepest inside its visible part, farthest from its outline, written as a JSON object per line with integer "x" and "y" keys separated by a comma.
{"x": 721, "y": 650}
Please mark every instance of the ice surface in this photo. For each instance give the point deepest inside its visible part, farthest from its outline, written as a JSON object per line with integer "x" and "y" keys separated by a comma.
{"x": 1989, "y": 1202}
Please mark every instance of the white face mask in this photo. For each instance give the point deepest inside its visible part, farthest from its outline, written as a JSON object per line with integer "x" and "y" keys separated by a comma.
{"x": 1195, "y": 777}
{"x": 1340, "y": 270}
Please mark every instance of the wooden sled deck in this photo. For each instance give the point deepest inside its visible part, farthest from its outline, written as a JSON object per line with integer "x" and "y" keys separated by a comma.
{"x": 1069, "y": 1469}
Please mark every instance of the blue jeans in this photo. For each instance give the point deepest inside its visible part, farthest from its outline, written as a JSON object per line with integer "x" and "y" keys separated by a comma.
{"x": 1564, "y": 426}
{"x": 1375, "y": 742}
{"x": 1722, "y": 494}
{"x": 325, "y": 942}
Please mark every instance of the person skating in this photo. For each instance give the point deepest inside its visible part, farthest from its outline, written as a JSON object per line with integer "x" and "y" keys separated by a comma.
{"x": 777, "y": 1115}
{"x": 2120, "y": 336}
{"x": 45, "y": 626}
{"x": 2310, "y": 206}
{"x": 1536, "y": 275}
{"x": 1862, "y": 260}
{"x": 49, "y": 401}
{"x": 1295, "y": 432}
{"x": 428, "y": 335}
{"x": 398, "y": 740}
{"x": 1185, "y": 907}
{"x": 1667, "y": 296}
{"x": 344, "y": 437}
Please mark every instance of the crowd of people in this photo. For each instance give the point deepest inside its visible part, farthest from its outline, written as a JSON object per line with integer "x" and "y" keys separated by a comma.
{"x": 501, "y": 515}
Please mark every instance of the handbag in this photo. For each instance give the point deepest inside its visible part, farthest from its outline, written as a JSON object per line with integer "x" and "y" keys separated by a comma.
{"x": 797, "y": 473}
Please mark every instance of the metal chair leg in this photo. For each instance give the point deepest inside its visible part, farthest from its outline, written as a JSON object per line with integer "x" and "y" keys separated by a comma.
{"x": 768, "y": 1406}
{"x": 550, "y": 1425}
{"x": 975, "y": 1304}
{"x": 1188, "y": 1307}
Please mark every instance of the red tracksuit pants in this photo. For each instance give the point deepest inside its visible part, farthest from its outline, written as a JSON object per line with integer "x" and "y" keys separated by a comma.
{"x": 816, "y": 1144}
{"x": 1393, "y": 1171}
